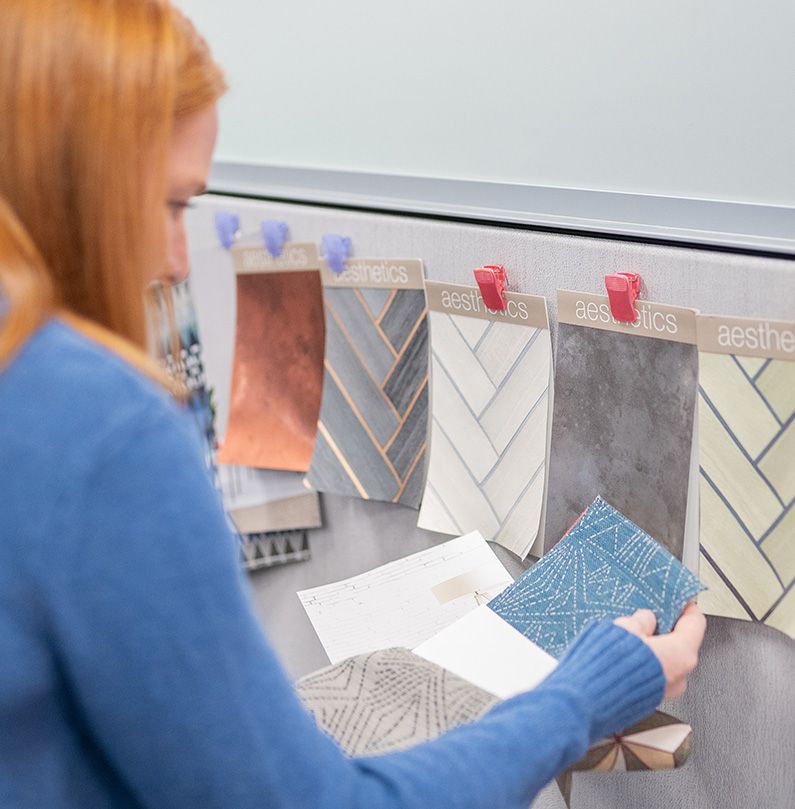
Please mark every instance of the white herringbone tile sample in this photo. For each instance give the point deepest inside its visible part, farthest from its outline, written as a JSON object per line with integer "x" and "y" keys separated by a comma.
{"x": 489, "y": 400}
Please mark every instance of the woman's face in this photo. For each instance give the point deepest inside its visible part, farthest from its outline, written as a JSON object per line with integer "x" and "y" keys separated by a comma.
{"x": 189, "y": 162}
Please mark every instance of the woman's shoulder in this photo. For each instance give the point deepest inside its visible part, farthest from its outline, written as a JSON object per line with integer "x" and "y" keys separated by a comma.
{"x": 63, "y": 391}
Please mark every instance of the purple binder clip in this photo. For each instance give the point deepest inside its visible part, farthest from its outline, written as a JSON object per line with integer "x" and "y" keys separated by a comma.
{"x": 274, "y": 235}
{"x": 227, "y": 226}
{"x": 335, "y": 250}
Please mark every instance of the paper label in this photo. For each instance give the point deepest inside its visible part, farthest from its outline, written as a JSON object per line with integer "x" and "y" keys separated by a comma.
{"x": 654, "y": 319}
{"x": 295, "y": 256}
{"x": 459, "y": 299}
{"x": 383, "y": 273}
{"x": 750, "y": 337}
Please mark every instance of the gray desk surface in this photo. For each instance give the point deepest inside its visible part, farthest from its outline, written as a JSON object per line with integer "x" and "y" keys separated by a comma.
{"x": 740, "y": 702}
{"x": 744, "y": 753}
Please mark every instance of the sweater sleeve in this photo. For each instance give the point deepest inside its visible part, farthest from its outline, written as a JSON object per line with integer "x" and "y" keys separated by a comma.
{"x": 175, "y": 685}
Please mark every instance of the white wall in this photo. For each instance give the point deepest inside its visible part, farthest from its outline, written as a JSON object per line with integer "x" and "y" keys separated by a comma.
{"x": 674, "y": 97}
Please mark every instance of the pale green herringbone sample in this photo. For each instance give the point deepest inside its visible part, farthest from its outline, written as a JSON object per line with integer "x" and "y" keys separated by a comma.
{"x": 747, "y": 460}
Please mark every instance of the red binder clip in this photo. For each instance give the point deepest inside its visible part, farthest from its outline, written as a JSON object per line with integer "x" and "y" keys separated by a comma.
{"x": 491, "y": 280}
{"x": 622, "y": 290}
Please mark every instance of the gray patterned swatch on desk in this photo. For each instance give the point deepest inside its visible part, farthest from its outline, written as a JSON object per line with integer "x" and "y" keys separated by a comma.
{"x": 389, "y": 700}
{"x": 622, "y": 427}
{"x": 605, "y": 567}
{"x": 392, "y": 699}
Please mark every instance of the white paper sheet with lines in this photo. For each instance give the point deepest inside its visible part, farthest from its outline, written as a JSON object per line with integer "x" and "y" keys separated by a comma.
{"x": 404, "y": 603}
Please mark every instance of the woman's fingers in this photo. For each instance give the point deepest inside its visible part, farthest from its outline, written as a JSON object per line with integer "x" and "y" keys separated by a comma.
{"x": 691, "y": 625}
{"x": 677, "y": 650}
{"x": 641, "y": 623}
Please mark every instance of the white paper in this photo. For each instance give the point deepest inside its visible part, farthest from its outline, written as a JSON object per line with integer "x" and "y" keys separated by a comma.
{"x": 395, "y": 604}
{"x": 486, "y": 650}
{"x": 244, "y": 486}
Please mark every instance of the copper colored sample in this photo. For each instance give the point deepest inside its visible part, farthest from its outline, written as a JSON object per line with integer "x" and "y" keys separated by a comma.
{"x": 277, "y": 375}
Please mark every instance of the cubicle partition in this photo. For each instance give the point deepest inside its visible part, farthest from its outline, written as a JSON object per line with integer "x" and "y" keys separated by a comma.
{"x": 740, "y": 698}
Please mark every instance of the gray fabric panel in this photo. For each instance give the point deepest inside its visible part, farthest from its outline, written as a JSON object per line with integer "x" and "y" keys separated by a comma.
{"x": 739, "y": 701}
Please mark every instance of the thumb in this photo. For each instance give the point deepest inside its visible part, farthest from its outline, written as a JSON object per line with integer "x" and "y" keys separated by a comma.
{"x": 641, "y": 623}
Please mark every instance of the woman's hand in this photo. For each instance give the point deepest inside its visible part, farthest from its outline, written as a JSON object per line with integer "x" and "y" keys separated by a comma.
{"x": 677, "y": 651}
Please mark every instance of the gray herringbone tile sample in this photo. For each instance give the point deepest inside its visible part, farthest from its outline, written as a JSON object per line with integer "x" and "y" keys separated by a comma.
{"x": 372, "y": 431}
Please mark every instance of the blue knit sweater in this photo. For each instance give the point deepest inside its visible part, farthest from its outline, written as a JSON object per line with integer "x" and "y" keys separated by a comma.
{"x": 133, "y": 672}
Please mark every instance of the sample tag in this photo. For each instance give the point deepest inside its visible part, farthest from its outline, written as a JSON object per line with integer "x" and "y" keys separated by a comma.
{"x": 388, "y": 273}
{"x": 654, "y": 319}
{"x": 459, "y": 299}
{"x": 294, "y": 256}
{"x": 749, "y": 337}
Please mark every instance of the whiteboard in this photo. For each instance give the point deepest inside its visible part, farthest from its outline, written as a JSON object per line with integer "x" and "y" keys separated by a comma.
{"x": 675, "y": 98}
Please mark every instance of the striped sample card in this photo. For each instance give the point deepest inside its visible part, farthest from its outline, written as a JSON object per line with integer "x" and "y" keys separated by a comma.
{"x": 373, "y": 419}
{"x": 622, "y": 424}
{"x": 490, "y": 392}
{"x": 277, "y": 373}
{"x": 605, "y": 567}
{"x": 747, "y": 463}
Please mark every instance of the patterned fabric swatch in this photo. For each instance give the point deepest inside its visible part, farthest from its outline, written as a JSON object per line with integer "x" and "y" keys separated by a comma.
{"x": 659, "y": 742}
{"x": 389, "y": 700}
{"x": 747, "y": 458}
{"x": 489, "y": 407}
{"x": 622, "y": 427}
{"x": 277, "y": 373}
{"x": 604, "y": 567}
{"x": 392, "y": 699}
{"x": 373, "y": 417}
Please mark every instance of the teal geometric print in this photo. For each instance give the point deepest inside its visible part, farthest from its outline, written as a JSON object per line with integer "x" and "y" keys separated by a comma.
{"x": 604, "y": 567}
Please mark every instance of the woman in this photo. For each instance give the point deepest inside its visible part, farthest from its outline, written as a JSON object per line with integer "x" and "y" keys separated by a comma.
{"x": 133, "y": 671}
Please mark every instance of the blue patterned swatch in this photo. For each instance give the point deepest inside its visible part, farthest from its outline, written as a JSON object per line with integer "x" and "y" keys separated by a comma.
{"x": 604, "y": 567}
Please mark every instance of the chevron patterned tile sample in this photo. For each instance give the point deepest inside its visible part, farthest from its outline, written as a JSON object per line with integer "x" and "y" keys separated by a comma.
{"x": 277, "y": 373}
{"x": 622, "y": 423}
{"x": 389, "y": 700}
{"x": 372, "y": 431}
{"x": 490, "y": 375}
{"x": 747, "y": 459}
{"x": 659, "y": 742}
{"x": 604, "y": 567}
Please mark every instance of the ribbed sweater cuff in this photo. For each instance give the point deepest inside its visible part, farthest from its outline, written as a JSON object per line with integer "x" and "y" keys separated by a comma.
{"x": 614, "y": 675}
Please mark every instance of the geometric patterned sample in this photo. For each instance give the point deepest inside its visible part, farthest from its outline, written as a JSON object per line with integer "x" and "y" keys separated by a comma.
{"x": 389, "y": 700}
{"x": 622, "y": 427}
{"x": 489, "y": 402}
{"x": 659, "y": 742}
{"x": 747, "y": 460}
{"x": 277, "y": 373}
{"x": 605, "y": 567}
{"x": 272, "y": 548}
{"x": 372, "y": 431}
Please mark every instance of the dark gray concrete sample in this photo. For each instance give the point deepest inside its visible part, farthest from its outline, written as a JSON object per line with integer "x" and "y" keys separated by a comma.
{"x": 622, "y": 428}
